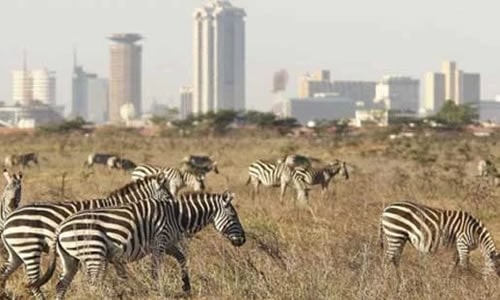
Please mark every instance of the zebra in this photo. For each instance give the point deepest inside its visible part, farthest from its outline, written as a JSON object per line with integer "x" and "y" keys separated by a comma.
{"x": 304, "y": 178}
{"x": 11, "y": 196}
{"x": 110, "y": 160}
{"x": 488, "y": 170}
{"x": 177, "y": 178}
{"x": 270, "y": 175}
{"x": 21, "y": 159}
{"x": 295, "y": 160}
{"x": 204, "y": 164}
{"x": 128, "y": 233}
{"x": 29, "y": 230}
{"x": 428, "y": 229}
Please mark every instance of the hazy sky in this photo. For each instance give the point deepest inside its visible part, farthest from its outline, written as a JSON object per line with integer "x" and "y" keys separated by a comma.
{"x": 354, "y": 39}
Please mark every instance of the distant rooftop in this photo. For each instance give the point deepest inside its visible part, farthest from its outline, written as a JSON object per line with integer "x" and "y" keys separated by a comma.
{"x": 125, "y": 37}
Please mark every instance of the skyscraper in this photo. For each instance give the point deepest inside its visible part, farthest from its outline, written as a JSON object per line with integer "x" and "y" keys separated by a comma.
{"x": 434, "y": 92}
{"x": 449, "y": 69}
{"x": 315, "y": 83}
{"x": 399, "y": 93}
{"x": 186, "y": 107}
{"x": 125, "y": 74}
{"x": 218, "y": 57}
{"x": 34, "y": 85}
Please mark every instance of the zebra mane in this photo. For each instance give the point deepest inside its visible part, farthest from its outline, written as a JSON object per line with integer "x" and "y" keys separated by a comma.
{"x": 132, "y": 186}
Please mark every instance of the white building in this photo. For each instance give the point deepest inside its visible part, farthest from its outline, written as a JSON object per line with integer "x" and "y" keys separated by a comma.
{"x": 186, "y": 98}
{"x": 218, "y": 57}
{"x": 22, "y": 87}
{"x": 434, "y": 92}
{"x": 34, "y": 85}
{"x": 398, "y": 93}
{"x": 44, "y": 86}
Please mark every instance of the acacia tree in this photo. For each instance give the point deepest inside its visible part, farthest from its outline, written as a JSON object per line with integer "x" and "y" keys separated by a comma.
{"x": 454, "y": 115}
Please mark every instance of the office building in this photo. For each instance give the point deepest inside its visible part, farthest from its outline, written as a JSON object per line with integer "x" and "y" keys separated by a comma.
{"x": 398, "y": 93}
{"x": 218, "y": 57}
{"x": 22, "y": 87}
{"x": 186, "y": 105}
{"x": 125, "y": 74}
{"x": 434, "y": 95}
{"x": 314, "y": 83}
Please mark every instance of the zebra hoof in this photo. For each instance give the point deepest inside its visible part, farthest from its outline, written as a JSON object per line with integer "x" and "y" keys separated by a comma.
{"x": 187, "y": 289}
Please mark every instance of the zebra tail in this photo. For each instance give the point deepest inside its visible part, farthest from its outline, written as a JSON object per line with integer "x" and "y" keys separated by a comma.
{"x": 52, "y": 267}
{"x": 381, "y": 235}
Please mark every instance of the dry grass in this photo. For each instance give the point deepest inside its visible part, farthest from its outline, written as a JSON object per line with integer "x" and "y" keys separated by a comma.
{"x": 288, "y": 254}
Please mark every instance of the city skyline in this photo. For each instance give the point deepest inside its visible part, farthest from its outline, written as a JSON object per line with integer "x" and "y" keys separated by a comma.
{"x": 397, "y": 48}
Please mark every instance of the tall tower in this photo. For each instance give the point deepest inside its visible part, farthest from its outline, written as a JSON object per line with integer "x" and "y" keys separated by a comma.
{"x": 125, "y": 74}
{"x": 22, "y": 86}
{"x": 218, "y": 57}
{"x": 449, "y": 69}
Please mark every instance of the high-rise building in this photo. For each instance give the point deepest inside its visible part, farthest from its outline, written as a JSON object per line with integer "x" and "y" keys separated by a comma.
{"x": 90, "y": 95}
{"x": 218, "y": 57}
{"x": 125, "y": 74}
{"x": 434, "y": 92}
{"x": 22, "y": 87}
{"x": 315, "y": 83}
{"x": 471, "y": 91}
{"x": 44, "y": 86}
{"x": 186, "y": 105}
{"x": 449, "y": 69}
{"x": 399, "y": 93}
{"x": 363, "y": 91}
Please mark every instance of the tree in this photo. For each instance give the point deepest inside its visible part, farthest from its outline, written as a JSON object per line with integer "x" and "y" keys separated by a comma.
{"x": 456, "y": 115}
{"x": 260, "y": 119}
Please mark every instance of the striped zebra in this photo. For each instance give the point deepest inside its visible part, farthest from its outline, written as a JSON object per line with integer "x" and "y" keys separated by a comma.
{"x": 177, "y": 178}
{"x": 30, "y": 229}
{"x": 11, "y": 196}
{"x": 428, "y": 229}
{"x": 127, "y": 233}
{"x": 304, "y": 178}
{"x": 269, "y": 175}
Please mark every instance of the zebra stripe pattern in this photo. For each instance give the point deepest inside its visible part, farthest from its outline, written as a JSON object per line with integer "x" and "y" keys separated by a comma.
{"x": 428, "y": 229}
{"x": 11, "y": 196}
{"x": 130, "y": 232}
{"x": 304, "y": 178}
{"x": 176, "y": 178}
{"x": 30, "y": 230}
{"x": 269, "y": 175}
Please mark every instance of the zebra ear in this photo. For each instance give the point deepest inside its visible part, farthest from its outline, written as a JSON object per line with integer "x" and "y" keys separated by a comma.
{"x": 227, "y": 197}
{"x": 7, "y": 176}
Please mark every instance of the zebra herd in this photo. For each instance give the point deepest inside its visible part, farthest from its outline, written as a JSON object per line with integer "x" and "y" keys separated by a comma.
{"x": 148, "y": 216}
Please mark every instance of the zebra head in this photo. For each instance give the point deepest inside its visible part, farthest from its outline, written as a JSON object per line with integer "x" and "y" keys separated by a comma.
{"x": 495, "y": 262}
{"x": 226, "y": 220}
{"x": 12, "y": 192}
{"x": 162, "y": 186}
{"x": 337, "y": 167}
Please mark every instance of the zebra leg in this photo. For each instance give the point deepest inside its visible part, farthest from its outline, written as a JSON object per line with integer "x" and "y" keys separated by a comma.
{"x": 255, "y": 190}
{"x": 32, "y": 265}
{"x": 70, "y": 267}
{"x": 394, "y": 251}
{"x": 463, "y": 253}
{"x": 283, "y": 191}
{"x": 13, "y": 262}
{"x": 176, "y": 252}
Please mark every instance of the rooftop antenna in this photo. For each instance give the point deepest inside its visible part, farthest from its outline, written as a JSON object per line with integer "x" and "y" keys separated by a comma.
{"x": 25, "y": 59}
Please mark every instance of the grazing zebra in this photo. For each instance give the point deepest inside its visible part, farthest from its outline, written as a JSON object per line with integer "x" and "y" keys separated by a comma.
{"x": 203, "y": 164}
{"x": 110, "y": 160}
{"x": 177, "y": 178}
{"x": 270, "y": 175}
{"x": 21, "y": 159}
{"x": 487, "y": 169}
{"x": 128, "y": 233}
{"x": 428, "y": 229}
{"x": 124, "y": 164}
{"x": 304, "y": 178}
{"x": 11, "y": 196}
{"x": 29, "y": 230}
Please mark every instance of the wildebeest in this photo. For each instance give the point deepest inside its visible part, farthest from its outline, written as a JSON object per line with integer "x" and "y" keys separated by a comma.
{"x": 100, "y": 159}
{"x": 21, "y": 159}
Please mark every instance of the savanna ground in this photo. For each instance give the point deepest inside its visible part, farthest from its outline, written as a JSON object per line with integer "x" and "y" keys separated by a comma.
{"x": 288, "y": 254}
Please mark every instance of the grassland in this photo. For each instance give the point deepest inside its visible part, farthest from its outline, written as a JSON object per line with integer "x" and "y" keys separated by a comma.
{"x": 289, "y": 254}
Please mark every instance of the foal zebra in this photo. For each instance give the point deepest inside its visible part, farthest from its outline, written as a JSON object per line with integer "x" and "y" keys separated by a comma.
{"x": 304, "y": 178}
{"x": 270, "y": 175}
{"x": 30, "y": 229}
{"x": 128, "y": 233}
{"x": 176, "y": 178}
{"x": 428, "y": 228}
{"x": 11, "y": 196}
